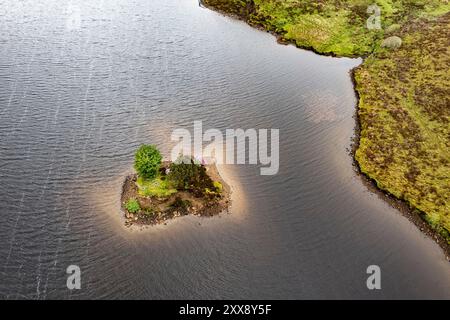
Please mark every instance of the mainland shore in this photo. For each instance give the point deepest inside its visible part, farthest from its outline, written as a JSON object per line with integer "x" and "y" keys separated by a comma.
{"x": 393, "y": 136}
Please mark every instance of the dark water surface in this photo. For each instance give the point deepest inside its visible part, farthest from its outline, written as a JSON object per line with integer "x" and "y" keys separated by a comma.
{"x": 77, "y": 99}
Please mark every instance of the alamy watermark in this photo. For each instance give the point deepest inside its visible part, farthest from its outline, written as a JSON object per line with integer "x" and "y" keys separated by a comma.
{"x": 374, "y": 280}
{"x": 74, "y": 278}
{"x": 235, "y": 146}
{"x": 73, "y": 17}
{"x": 374, "y": 21}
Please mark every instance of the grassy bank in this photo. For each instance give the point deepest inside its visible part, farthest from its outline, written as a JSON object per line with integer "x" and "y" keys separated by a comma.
{"x": 405, "y": 119}
{"x": 404, "y": 93}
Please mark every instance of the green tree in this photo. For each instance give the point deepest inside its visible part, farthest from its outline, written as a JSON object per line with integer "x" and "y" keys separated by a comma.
{"x": 147, "y": 161}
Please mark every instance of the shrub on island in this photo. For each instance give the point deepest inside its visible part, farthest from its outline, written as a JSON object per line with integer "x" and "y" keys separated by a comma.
{"x": 147, "y": 161}
{"x": 132, "y": 206}
{"x": 188, "y": 174}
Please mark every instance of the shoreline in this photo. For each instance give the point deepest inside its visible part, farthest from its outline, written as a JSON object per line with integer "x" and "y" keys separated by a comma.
{"x": 404, "y": 208}
{"x": 279, "y": 37}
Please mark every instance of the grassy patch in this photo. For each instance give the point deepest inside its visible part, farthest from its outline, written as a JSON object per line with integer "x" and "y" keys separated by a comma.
{"x": 330, "y": 26}
{"x": 405, "y": 119}
{"x": 156, "y": 187}
{"x": 218, "y": 186}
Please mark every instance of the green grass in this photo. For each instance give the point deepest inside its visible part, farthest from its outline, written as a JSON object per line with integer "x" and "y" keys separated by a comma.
{"x": 155, "y": 187}
{"x": 330, "y": 26}
{"x": 405, "y": 119}
{"x": 218, "y": 186}
{"x": 404, "y": 94}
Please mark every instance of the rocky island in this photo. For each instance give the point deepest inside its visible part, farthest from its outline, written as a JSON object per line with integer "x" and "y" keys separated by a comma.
{"x": 160, "y": 191}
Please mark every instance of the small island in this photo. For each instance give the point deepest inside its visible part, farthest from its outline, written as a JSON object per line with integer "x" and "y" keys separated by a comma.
{"x": 163, "y": 190}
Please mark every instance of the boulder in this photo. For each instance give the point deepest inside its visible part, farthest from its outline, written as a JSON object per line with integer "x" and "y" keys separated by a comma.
{"x": 393, "y": 42}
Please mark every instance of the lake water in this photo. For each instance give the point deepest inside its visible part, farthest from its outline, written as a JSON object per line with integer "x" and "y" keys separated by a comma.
{"x": 82, "y": 86}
